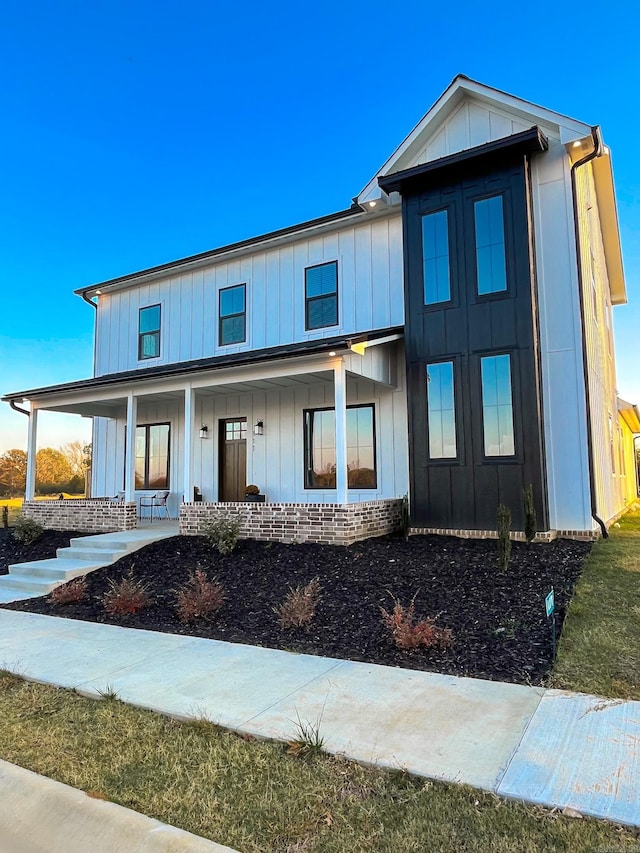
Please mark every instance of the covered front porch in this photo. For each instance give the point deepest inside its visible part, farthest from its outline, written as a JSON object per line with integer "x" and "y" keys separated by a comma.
{"x": 322, "y": 435}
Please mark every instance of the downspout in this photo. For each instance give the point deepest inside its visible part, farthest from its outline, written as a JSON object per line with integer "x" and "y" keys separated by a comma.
{"x": 597, "y": 152}
{"x": 88, "y": 300}
{"x": 17, "y": 408}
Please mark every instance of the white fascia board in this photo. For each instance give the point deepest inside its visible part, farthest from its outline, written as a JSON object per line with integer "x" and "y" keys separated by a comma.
{"x": 606, "y": 194}
{"x": 462, "y": 87}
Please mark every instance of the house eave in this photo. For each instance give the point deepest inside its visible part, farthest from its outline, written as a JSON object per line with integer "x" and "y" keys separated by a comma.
{"x": 241, "y": 247}
{"x": 186, "y": 368}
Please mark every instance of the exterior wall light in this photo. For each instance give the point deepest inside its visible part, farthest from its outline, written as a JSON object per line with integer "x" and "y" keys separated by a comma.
{"x": 204, "y": 431}
{"x": 258, "y": 428}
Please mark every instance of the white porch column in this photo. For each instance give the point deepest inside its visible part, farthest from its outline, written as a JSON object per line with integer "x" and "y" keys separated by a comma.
{"x": 340, "y": 390}
{"x": 189, "y": 408}
{"x": 130, "y": 460}
{"x": 30, "y": 489}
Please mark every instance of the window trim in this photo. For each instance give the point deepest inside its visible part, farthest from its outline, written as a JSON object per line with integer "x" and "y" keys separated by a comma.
{"x": 309, "y": 299}
{"x": 507, "y": 291}
{"x": 141, "y": 356}
{"x": 146, "y": 427}
{"x": 242, "y": 314}
{"x": 499, "y": 458}
{"x": 450, "y": 214}
{"x": 306, "y": 447}
{"x": 444, "y": 460}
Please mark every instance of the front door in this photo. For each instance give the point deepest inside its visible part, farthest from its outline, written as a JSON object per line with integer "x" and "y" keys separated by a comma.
{"x": 233, "y": 459}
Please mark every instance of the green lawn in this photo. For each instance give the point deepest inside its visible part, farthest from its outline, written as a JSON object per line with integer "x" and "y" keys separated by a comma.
{"x": 15, "y": 505}
{"x": 599, "y": 650}
{"x": 256, "y": 797}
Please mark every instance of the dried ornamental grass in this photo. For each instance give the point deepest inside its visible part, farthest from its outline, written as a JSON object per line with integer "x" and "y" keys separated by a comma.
{"x": 409, "y": 634}
{"x": 70, "y": 593}
{"x": 199, "y": 598}
{"x": 299, "y": 606}
{"x": 126, "y": 597}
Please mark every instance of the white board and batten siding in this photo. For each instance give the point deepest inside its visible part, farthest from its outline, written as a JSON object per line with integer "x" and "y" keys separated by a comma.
{"x": 370, "y": 296}
{"x": 275, "y": 460}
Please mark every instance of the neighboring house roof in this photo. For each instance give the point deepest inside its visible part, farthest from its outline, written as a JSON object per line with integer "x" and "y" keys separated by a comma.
{"x": 630, "y": 414}
{"x": 315, "y": 347}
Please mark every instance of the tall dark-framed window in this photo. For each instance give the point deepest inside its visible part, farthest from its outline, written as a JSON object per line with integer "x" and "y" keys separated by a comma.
{"x": 321, "y": 295}
{"x": 497, "y": 405}
{"x": 149, "y": 332}
{"x": 491, "y": 259}
{"x": 153, "y": 456}
{"x": 320, "y": 448}
{"x": 232, "y": 321}
{"x": 441, "y": 411}
{"x": 435, "y": 257}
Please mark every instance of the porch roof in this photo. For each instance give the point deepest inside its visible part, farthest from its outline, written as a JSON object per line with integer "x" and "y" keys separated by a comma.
{"x": 251, "y": 357}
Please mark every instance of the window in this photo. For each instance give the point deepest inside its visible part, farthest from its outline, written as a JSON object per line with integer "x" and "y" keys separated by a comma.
{"x": 152, "y": 456}
{"x": 149, "y": 332}
{"x": 232, "y": 320}
{"x": 435, "y": 257}
{"x": 441, "y": 413}
{"x": 490, "y": 251}
{"x": 321, "y": 296}
{"x": 497, "y": 406}
{"x": 320, "y": 448}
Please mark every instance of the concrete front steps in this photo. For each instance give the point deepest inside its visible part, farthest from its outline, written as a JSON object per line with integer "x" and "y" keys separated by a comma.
{"x": 39, "y": 577}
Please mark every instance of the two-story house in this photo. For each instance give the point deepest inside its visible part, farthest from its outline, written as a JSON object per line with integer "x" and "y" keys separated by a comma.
{"x": 448, "y": 336}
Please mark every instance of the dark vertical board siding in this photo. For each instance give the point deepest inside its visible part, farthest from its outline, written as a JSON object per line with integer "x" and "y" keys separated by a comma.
{"x": 465, "y": 492}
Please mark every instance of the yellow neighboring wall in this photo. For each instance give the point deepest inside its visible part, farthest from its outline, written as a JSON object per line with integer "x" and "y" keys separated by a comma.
{"x": 628, "y": 428}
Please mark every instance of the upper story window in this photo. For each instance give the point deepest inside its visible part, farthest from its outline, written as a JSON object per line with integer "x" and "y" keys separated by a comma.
{"x": 490, "y": 248}
{"x": 435, "y": 257}
{"x": 320, "y": 448}
{"x": 497, "y": 405}
{"x": 149, "y": 332}
{"x": 321, "y": 296}
{"x": 232, "y": 319}
{"x": 441, "y": 413}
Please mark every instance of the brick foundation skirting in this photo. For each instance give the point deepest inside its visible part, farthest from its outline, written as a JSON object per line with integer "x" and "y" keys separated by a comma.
{"x": 516, "y": 535}
{"x": 88, "y": 516}
{"x": 332, "y": 524}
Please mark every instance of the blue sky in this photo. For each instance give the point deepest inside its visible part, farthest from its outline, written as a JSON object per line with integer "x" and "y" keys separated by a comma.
{"x": 137, "y": 133}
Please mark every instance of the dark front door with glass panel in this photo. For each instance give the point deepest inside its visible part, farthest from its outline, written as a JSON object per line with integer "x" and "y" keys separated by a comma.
{"x": 471, "y": 349}
{"x": 233, "y": 459}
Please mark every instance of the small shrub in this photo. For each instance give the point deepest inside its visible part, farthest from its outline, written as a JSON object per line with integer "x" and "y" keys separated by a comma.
{"x": 26, "y": 530}
{"x": 199, "y": 598}
{"x": 504, "y": 537}
{"x": 409, "y": 633}
{"x": 299, "y": 607}
{"x": 530, "y": 520}
{"x": 222, "y": 534}
{"x": 69, "y": 593}
{"x": 125, "y": 597}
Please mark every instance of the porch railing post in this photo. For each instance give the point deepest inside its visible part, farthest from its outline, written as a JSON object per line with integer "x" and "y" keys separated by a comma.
{"x": 130, "y": 460}
{"x": 30, "y": 489}
{"x": 189, "y": 406}
{"x": 340, "y": 392}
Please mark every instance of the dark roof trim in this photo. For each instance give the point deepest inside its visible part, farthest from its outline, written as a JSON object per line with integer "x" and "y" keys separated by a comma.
{"x": 242, "y": 244}
{"x": 315, "y": 347}
{"x": 525, "y": 142}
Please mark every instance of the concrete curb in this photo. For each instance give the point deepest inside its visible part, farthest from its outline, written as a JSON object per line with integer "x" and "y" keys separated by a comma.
{"x": 39, "y": 815}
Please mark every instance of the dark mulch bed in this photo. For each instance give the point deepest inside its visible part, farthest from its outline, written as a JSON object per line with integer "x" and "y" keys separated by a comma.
{"x": 500, "y": 630}
{"x": 12, "y": 551}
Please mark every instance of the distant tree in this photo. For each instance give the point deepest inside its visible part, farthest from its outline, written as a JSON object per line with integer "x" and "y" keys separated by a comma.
{"x": 53, "y": 470}
{"x": 78, "y": 455}
{"x": 13, "y": 472}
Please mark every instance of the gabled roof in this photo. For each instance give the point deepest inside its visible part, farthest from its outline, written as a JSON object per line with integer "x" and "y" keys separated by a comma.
{"x": 414, "y": 149}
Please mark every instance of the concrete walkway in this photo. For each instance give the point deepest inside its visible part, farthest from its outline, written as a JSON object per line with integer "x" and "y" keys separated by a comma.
{"x": 552, "y": 747}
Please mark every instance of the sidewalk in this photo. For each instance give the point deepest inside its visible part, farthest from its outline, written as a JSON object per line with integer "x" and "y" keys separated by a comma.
{"x": 544, "y": 746}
